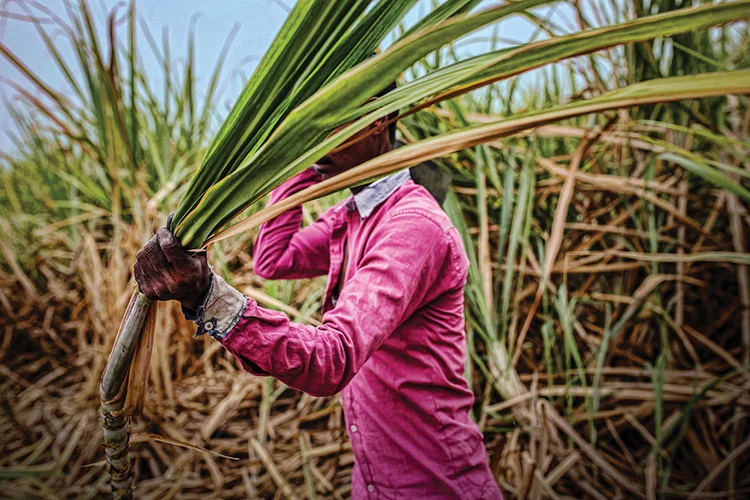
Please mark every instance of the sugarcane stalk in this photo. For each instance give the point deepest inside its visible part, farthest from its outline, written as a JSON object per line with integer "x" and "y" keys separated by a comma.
{"x": 122, "y": 389}
{"x": 117, "y": 448}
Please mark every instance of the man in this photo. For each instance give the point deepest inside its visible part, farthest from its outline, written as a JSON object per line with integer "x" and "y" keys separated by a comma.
{"x": 392, "y": 339}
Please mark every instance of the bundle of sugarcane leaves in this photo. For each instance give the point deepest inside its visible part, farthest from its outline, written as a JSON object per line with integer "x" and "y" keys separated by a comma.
{"x": 311, "y": 93}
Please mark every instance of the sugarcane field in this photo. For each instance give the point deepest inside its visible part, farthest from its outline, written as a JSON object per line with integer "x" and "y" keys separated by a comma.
{"x": 425, "y": 249}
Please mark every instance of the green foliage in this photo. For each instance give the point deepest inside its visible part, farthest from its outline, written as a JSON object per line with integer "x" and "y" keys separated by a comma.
{"x": 114, "y": 144}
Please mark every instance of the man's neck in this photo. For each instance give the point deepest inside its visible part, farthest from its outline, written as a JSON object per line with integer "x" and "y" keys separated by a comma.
{"x": 358, "y": 189}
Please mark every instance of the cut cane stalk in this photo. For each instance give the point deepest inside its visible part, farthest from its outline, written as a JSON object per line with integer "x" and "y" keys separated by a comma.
{"x": 123, "y": 388}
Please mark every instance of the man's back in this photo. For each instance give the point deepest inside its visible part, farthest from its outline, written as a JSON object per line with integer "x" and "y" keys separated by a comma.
{"x": 407, "y": 404}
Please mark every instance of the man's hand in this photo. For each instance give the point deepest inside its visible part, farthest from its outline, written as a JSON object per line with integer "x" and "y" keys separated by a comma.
{"x": 164, "y": 270}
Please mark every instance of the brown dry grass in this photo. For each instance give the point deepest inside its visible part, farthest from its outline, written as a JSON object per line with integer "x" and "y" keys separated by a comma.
{"x": 271, "y": 442}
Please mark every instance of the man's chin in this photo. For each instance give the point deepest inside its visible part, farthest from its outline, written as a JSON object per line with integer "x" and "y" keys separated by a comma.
{"x": 326, "y": 171}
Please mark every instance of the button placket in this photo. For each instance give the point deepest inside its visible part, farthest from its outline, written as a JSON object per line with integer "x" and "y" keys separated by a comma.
{"x": 357, "y": 440}
{"x": 337, "y": 237}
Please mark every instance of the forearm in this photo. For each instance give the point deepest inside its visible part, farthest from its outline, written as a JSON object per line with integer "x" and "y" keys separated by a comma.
{"x": 282, "y": 250}
{"x": 319, "y": 361}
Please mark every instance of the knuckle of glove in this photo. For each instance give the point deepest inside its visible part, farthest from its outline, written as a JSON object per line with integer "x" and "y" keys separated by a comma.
{"x": 169, "y": 243}
{"x": 161, "y": 290}
{"x": 173, "y": 286}
{"x": 182, "y": 286}
{"x": 202, "y": 275}
{"x": 146, "y": 288}
{"x": 141, "y": 255}
{"x": 149, "y": 254}
{"x": 139, "y": 276}
{"x": 164, "y": 235}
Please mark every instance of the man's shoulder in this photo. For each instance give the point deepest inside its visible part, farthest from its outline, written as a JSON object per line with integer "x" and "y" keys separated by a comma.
{"x": 414, "y": 201}
{"x": 411, "y": 198}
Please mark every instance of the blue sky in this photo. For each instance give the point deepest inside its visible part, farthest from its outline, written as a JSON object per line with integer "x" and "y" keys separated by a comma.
{"x": 258, "y": 20}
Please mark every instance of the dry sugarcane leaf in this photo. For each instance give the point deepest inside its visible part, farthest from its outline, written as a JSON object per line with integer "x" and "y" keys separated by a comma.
{"x": 141, "y": 364}
{"x": 145, "y": 437}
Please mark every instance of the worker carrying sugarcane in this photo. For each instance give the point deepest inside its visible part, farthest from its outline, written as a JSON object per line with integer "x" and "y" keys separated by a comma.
{"x": 392, "y": 337}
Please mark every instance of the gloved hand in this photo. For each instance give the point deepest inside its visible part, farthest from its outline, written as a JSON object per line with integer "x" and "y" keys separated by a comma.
{"x": 164, "y": 270}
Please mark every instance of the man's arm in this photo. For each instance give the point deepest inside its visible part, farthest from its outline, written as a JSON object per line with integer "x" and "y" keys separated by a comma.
{"x": 394, "y": 278}
{"x": 282, "y": 250}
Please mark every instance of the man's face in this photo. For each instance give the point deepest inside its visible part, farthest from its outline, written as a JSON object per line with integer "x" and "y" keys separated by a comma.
{"x": 365, "y": 145}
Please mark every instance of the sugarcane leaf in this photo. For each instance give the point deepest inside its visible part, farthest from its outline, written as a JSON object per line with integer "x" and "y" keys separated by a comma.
{"x": 310, "y": 29}
{"x": 708, "y": 174}
{"x": 653, "y": 91}
{"x": 301, "y": 138}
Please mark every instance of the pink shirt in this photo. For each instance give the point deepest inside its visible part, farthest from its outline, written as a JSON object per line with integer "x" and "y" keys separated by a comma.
{"x": 393, "y": 344}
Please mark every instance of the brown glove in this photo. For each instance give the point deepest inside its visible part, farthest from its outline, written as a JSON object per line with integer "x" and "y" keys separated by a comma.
{"x": 164, "y": 270}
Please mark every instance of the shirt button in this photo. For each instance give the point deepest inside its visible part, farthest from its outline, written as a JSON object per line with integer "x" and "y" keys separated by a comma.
{"x": 208, "y": 325}
{"x": 353, "y": 428}
{"x": 370, "y": 488}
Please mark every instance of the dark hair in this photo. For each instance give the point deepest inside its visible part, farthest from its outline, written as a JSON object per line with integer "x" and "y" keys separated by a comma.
{"x": 391, "y": 116}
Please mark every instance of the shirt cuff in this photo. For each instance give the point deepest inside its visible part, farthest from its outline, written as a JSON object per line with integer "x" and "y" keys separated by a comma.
{"x": 220, "y": 311}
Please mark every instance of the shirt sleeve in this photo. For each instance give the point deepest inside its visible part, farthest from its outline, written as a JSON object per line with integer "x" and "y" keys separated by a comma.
{"x": 406, "y": 256}
{"x": 282, "y": 250}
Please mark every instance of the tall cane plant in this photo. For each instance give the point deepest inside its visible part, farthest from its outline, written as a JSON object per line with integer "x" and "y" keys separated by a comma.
{"x": 319, "y": 76}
